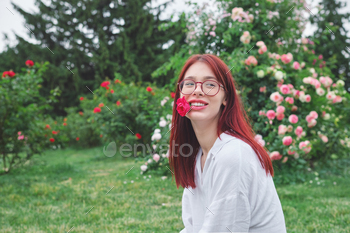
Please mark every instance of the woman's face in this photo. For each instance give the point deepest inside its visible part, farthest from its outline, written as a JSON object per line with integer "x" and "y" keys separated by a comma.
{"x": 198, "y": 72}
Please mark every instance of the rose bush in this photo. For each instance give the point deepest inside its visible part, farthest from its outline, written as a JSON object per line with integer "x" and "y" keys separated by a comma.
{"x": 296, "y": 105}
{"x": 22, "y": 129}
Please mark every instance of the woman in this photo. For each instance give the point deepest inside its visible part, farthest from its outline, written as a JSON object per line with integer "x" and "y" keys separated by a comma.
{"x": 226, "y": 174}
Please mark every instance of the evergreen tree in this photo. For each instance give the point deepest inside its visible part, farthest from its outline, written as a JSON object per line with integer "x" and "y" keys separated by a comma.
{"x": 87, "y": 41}
{"x": 333, "y": 38}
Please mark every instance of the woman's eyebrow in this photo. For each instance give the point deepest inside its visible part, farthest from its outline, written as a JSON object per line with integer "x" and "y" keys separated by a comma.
{"x": 205, "y": 77}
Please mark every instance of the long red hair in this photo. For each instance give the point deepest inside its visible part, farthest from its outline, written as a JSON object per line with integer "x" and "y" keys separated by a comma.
{"x": 233, "y": 118}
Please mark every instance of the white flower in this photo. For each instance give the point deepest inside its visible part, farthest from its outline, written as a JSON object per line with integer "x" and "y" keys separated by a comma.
{"x": 172, "y": 103}
{"x": 154, "y": 147}
{"x": 279, "y": 75}
{"x": 149, "y": 161}
{"x": 340, "y": 83}
{"x": 312, "y": 70}
{"x": 170, "y": 126}
{"x": 163, "y": 102}
{"x": 166, "y": 98}
{"x": 169, "y": 117}
{"x": 320, "y": 91}
{"x": 260, "y": 74}
{"x": 164, "y": 155}
{"x": 156, "y": 136}
{"x": 164, "y": 177}
{"x": 326, "y": 116}
{"x": 157, "y": 131}
{"x": 162, "y": 123}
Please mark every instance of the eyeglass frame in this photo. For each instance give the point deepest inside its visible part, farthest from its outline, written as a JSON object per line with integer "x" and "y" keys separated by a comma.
{"x": 201, "y": 87}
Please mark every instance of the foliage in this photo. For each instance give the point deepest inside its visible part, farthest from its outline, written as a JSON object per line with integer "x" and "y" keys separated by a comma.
{"x": 262, "y": 45}
{"x": 87, "y": 41}
{"x": 21, "y": 112}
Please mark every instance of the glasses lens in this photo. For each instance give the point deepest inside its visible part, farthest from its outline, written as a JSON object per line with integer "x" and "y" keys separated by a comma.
{"x": 209, "y": 87}
{"x": 187, "y": 86}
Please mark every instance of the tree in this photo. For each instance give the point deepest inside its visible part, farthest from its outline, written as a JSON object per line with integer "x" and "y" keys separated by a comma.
{"x": 88, "y": 41}
{"x": 332, "y": 37}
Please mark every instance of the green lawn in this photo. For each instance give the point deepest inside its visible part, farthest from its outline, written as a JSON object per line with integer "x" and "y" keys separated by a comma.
{"x": 85, "y": 191}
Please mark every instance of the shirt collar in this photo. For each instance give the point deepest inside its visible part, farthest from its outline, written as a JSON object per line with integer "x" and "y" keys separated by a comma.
{"x": 218, "y": 144}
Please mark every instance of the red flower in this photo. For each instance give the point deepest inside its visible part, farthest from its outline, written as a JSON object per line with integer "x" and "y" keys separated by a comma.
{"x": 81, "y": 113}
{"x": 77, "y": 139}
{"x": 138, "y": 135}
{"x": 47, "y": 127}
{"x": 105, "y": 84}
{"x": 172, "y": 95}
{"x": 65, "y": 124}
{"x": 149, "y": 89}
{"x": 112, "y": 91}
{"x": 29, "y": 63}
{"x": 182, "y": 106}
{"x": 52, "y": 140}
{"x": 97, "y": 110}
{"x": 101, "y": 136}
{"x": 11, "y": 73}
{"x": 54, "y": 132}
{"x": 118, "y": 103}
{"x": 117, "y": 81}
{"x": 81, "y": 98}
{"x": 5, "y": 74}
{"x": 101, "y": 105}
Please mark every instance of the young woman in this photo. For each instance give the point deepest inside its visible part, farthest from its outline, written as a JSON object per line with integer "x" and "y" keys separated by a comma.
{"x": 225, "y": 173}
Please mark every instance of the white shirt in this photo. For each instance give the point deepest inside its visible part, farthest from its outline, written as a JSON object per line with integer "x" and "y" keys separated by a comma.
{"x": 233, "y": 193}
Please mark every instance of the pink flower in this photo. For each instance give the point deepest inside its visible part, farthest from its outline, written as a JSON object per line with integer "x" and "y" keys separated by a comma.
{"x": 262, "y": 89}
{"x": 337, "y": 99}
{"x": 309, "y": 118}
{"x": 287, "y": 140}
{"x": 275, "y": 155}
{"x": 294, "y": 108}
{"x": 298, "y": 131}
{"x": 312, "y": 123}
{"x": 290, "y": 152}
{"x": 182, "y": 106}
{"x": 320, "y": 57}
{"x": 20, "y": 137}
{"x": 280, "y": 116}
{"x": 277, "y": 57}
{"x": 314, "y": 114}
{"x": 284, "y": 89}
{"x": 305, "y": 146}
{"x": 262, "y": 113}
{"x": 259, "y": 139}
{"x": 156, "y": 157}
{"x": 307, "y": 98}
{"x": 276, "y": 97}
{"x": 284, "y": 159}
{"x": 262, "y": 49}
{"x": 286, "y": 58}
{"x": 282, "y": 129}
{"x": 296, "y": 65}
{"x": 271, "y": 114}
{"x": 293, "y": 119}
{"x": 251, "y": 60}
{"x": 212, "y": 33}
{"x": 290, "y": 100}
{"x": 280, "y": 109}
{"x": 19, "y": 132}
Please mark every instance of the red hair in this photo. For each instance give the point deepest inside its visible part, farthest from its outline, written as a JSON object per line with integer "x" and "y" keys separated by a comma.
{"x": 233, "y": 119}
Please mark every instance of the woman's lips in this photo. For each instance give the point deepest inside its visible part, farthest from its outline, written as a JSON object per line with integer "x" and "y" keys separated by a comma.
{"x": 198, "y": 107}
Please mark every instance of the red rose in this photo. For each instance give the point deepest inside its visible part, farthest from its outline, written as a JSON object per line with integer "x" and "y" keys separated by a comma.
{"x": 149, "y": 89}
{"x": 77, "y": 139}
{"x": 112, "y": 91}
{"x": 65, "y": 124}
{"x": 54, "y": 132}
{"x": 138, "y": 136}
{"x": 105, "y": 84}
{"x": 81, "y": 98}
{"x": 97, "y": 110}
{"x": 81, "y": 113}
{"x": 47, "y": 127}
{"x": 101, "y": 105}
{"x": 11, "y": 73}
{"x": 117, "y": 81}
{"x": 182, "y": 106}
{"x": 52, "y": 140}
{"x": 5, "y": 74}
{"x": 29, "y": 63}
{"x": 118, "y": 103}
{"x": 101, "y": 136}
{"x": 172, "y": 95}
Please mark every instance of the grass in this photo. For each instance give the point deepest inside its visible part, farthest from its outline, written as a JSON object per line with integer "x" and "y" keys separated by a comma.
{"x": 85, "y": 191}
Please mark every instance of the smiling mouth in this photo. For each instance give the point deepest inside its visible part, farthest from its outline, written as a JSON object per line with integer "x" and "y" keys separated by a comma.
{"x": 198, "y": 105}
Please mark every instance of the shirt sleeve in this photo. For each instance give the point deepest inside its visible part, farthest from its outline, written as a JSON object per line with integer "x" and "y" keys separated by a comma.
{"x": 229, "y": 207}
{"x": 186, "y": 213}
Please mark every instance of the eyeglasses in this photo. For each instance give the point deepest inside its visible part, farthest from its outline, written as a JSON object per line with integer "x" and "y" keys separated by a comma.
{"x": 209, "y": 87}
